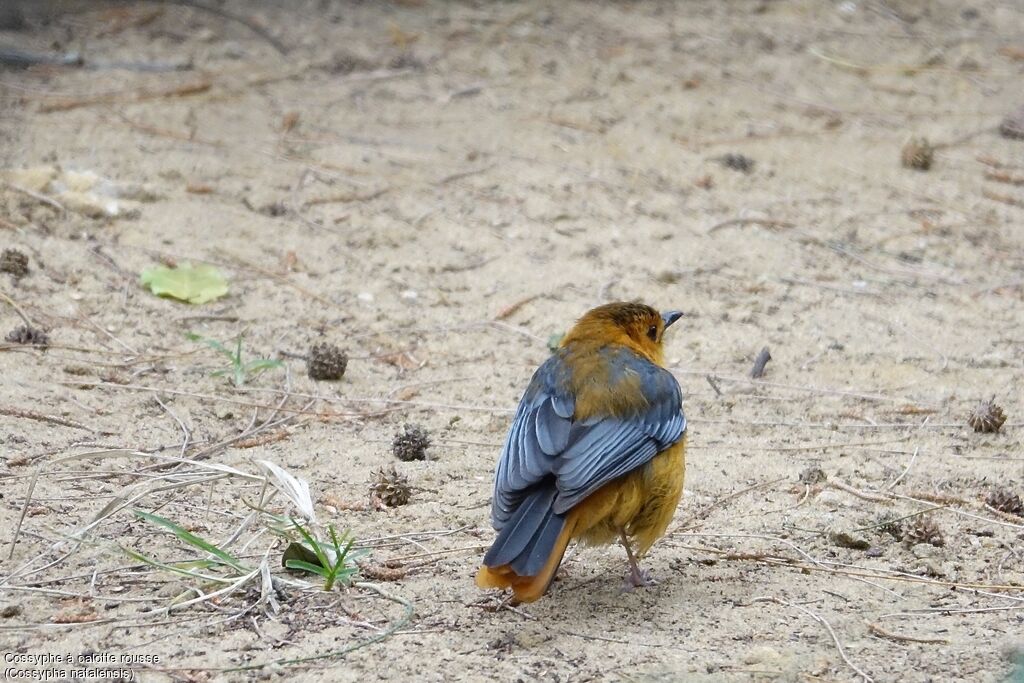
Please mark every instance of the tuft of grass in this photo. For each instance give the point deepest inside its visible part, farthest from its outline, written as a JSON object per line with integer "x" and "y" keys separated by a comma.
{"x": 239, "y": 370}
{"x": 333, "y": 561}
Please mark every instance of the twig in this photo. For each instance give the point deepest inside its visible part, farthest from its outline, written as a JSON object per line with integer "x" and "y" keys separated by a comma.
{"x": 763, "y": 222}
{"x": 1005, "y": 199}
{"x": 714, "y": 384}
{"x": 185, "y": 430}
{"x": 906, "y": 469}
{"x": 464, "y": 174}
{"x": 37, "y": 196}
{"x": 1001, "y": 177}
{"x": 757, "y": 372}
{"x": 24, "y": 511}
{"x": 17, "y": 309}
{"x": 39, "y": 417}
{"x": 509, "y": 310}
{"x": 231, "y": 16}
{"x": 828, "y": 627}
{"x": 873, "y": 497}
{"x": 337, "y": 654}
{"x": 879, "y": 631}
{"x": 190, "y": 88}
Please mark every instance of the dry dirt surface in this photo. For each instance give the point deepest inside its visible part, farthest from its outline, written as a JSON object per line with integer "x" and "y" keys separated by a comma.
{"x": 439, "y": 189}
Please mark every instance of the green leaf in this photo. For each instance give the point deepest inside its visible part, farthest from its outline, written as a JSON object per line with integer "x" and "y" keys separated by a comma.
{"x": 192, "y": 539}
{"x": 307, "y": 567}
{"x": 296, "y": 552}
{"x": 194, "y": 284}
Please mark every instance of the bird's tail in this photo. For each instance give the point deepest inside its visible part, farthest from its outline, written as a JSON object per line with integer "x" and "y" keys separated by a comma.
{"x": 529, "y": 548}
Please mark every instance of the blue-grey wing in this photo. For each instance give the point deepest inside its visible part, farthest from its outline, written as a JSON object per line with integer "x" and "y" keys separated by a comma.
{"x": 602, "y": 449}
{"x": 546, "y": 442}
{"x": 539, "y": 432}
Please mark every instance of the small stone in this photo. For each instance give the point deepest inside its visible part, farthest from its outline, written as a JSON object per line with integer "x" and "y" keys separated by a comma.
{"x": 917, "y": 154}
{"x": 14, "y": 262}
{"x": 925, "y": 551}
{"x": 411, "y": 443}
{"x": 326, "y": 362}
{"x": 987, "y": 417}
{"x": 8, "y": 611}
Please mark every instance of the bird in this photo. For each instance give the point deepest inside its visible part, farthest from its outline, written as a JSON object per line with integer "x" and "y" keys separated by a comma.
{"x": 595, "y": 452}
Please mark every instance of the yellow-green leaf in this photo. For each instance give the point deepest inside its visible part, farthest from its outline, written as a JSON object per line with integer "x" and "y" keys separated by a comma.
{"x": 194, "y": 284}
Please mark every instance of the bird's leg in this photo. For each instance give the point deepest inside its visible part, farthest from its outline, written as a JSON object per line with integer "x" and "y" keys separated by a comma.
{"x": 637, "y": 577}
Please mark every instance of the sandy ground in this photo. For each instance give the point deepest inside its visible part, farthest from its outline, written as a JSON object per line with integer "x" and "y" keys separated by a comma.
{"x": 438, "y": 188}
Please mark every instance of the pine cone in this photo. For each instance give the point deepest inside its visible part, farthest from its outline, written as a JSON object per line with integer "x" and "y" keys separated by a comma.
{"x": 326, "y": 362}
{"x": 813, "y": 475}
{"x": 893, "y": 527}
{"x": 28, "y": 335}
{"x": 14, "y": 262}
{"x": 411, "y": 443}
{"x": 390, "y": 487}
{"x": 917, "y": 154}
{"x": 924, "y": 530}
{"x": 987, "y": 417}
{"x": 1006, "y": 500}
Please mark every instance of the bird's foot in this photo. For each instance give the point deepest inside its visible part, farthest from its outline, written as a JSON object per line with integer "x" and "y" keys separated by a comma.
{"x": 637, "y": 578}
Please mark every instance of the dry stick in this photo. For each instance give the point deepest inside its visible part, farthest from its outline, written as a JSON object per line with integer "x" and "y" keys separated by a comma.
{"x": 184, "y": 430}
{"x": 383, "y": 635}
{"x": 714, "y": 384}
{"x": 796, "y": 387}
{"x": 38, "y": 196}
{"x": 509, "y": 310}
{"x": 818, "y": 565}
{"x": 39, "y": 417}
{"x": 704, "y": 512}
{"x": 828, "y": 627}
{"x": 1005, "y": 199}
{"x": 231, "y": 16}
{"x": 224, "y": 399}
{"x": 821, "y": 566}
{"x": 24, "y": 511}
{"x": 879, "y": 631}
{"x": 863, "y": 495}
{"x": 906, "y": 469}
{"x": 17, "y": 309}
{"x": 191, "y": 88}
{"x": 764, "y": 222}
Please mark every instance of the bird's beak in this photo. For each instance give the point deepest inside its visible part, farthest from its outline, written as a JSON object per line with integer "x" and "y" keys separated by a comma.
{"x": 669, "y": 317}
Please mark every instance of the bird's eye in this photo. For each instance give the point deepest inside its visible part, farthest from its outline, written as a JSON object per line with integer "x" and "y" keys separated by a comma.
{"x": 652, "y": 332}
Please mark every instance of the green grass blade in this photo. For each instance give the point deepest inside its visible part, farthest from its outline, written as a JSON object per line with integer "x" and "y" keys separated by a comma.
{"x": 307, "y": 567}
{"x": 312, "y": 544}
{"x": 139, "y": 557}
{"x": 192, "y": 539}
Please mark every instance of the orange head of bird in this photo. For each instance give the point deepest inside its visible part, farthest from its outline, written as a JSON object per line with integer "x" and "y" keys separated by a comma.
{"x": 634, "y": 325}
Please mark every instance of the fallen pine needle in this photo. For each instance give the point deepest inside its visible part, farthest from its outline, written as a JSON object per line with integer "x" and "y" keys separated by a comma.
{"x": 879, "y": 631}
